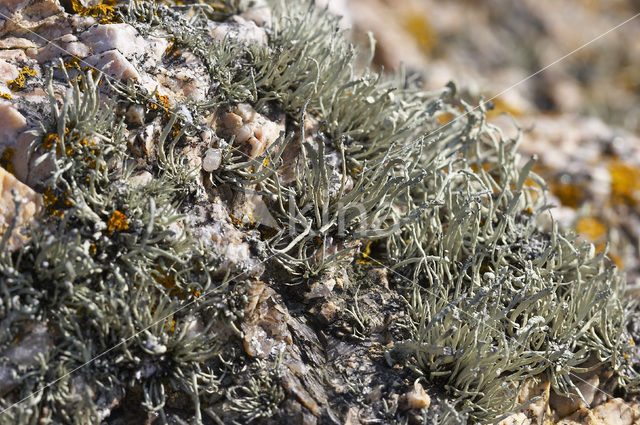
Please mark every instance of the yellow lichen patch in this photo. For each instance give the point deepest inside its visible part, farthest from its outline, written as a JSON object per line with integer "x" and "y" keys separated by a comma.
{"x": 6, "y": 160}
{"x": 364, "y": 255}
{"x": 72, "y": 63}
{"x": 168, "y": 281}
{"x": 445, "y": 118}
{"x": 591, "y": 228}
{"x": 53, "y": 204}
{"x": 570, "y": 195}
{"x": 21, "y": 79}
{"x": 247, "y": 221}
{"x": 418, "y": 26}
{"x": 164, "y": 279}
{"x": 501, "y": 107}
{"x": 625, "y": 182}
{"x": 118, "y": 221}
{"x": 617, "y": 260}
{"x": 5, "y": 96}
{"x": 161, "y": 103}
{"x": 171, "y": 327}
{"x": 49, "y": 141}
{"x": 103, "y": 12}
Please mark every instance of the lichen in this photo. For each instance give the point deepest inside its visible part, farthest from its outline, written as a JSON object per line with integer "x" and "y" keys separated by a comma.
{"x": 142, "y": 311}
{"x": 19, "y": 82}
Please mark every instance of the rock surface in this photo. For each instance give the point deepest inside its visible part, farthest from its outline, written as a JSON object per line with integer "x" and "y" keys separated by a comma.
{"x": 14, "y": 194}
{"x": 317, "y": 349}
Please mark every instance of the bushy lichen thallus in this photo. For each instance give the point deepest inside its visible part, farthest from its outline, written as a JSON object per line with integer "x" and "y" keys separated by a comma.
{"x": 113, "y": 271}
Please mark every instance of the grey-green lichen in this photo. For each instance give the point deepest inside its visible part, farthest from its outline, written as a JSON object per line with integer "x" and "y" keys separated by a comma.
{"x": 492, "y": 299}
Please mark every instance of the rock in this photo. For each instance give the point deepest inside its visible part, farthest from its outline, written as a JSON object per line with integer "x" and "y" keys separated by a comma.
{"x": 564, "y": 406}
{"x": 135, "y": 114}
{"x": 617, "y": 412}
{"x": 141, "y": 179}
{"x": 121, "y": 37}
{"x": 533, "y": 388}
{"x": 328, "y": 312}
{"x": 114, "y": 64}
{"x": 352, "y": 418}
{"x": 11, "y": 122}
{"x": 320, "y": 289}
{"x": 67, "y": 44}
{"x": 251, "y": 128}
{"x": 253, "y": 211}
{"x": 212, "y": 159}
{"x": 33, "y": 341}
{"x": 265, "y": 326}
{"x": 416, "y": 398}
{"x": 240, "y": 29}
{"x": 340, "y": 8}
{"x": 31, "y": 202}
{"x": 516, "y": 419}
{"x": 8, "y": 71}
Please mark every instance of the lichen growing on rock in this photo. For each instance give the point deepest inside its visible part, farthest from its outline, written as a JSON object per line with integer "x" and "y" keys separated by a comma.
{"x": 193, "y": 267}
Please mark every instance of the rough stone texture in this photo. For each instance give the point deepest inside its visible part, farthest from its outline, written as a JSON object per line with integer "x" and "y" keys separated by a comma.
{"x": 30, "y": 201}
{"x": 35, "y": 342}
{"x": 251, "y": 128}
{"x": 319, "y": 364}
{"x": 11, "y": 121}
{"x": 614, "y": 412}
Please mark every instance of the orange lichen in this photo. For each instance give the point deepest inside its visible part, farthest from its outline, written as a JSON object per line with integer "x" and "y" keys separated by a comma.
{"x": 21, "y": 79}
{"x": 50, "y": 140}
{"x": 616, "y": 260}
{"x": 501, "y": 107}
{"x": 118, "y": 221}
{"x": 591, "y": 228}
{"x": 172, "y": 327}
{"x": 364, "y": 255}
{"x": 104, "y": 11}
{"x": 164, "y": 279}
{"x": 570, "y": 195}
{"x": 445, "y": 118}
{"x": 162, "y": 102}
{"x": 53, "y": 204}
{"x": 418, "y": 26}
{"x": 625, "y": 182}
{"x": 6, "y": 160}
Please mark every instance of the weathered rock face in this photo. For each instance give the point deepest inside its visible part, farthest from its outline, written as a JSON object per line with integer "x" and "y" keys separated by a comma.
{"x": 217, "y": 197}
{"x": 16, "y": 196}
